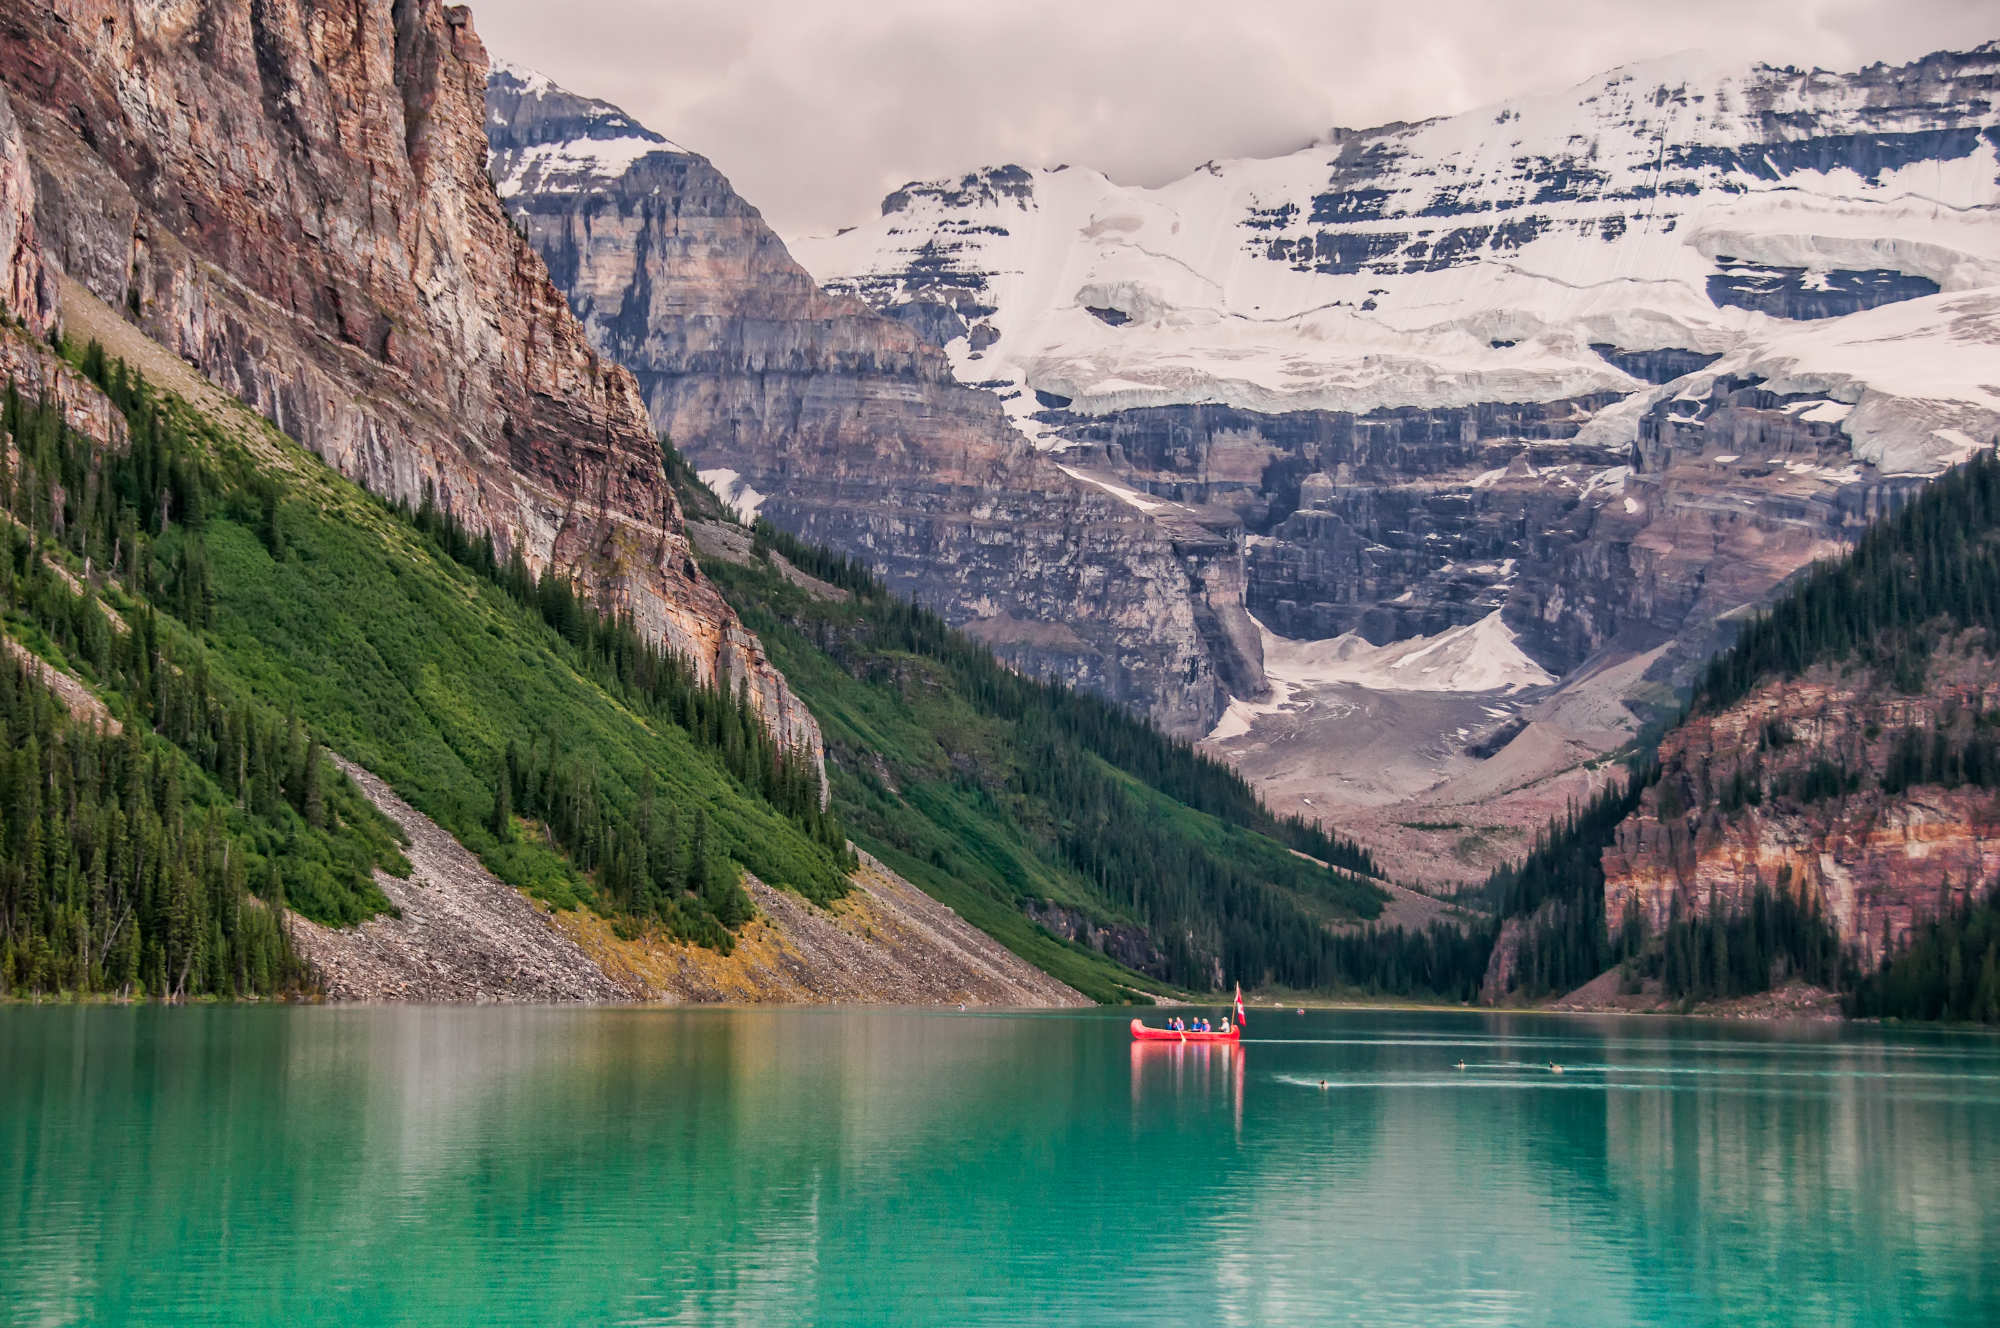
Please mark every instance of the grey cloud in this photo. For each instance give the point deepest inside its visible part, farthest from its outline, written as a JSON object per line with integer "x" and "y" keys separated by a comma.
{"x": 815, "y": 110}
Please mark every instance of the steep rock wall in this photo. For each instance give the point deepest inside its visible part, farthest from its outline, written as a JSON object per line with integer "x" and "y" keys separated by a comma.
{"x": 1876, "y": 863}
{"x": 849, "y": 428}
{"x": 1408, "y": 521}
{"x": 292, "y": 197}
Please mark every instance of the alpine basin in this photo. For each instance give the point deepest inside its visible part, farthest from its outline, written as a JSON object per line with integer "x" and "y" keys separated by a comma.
{"x": 772, "y": 1167}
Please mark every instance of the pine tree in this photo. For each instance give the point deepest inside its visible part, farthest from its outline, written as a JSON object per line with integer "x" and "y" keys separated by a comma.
{"x": 501, "y": 823}
{"x": 313, "y": 799}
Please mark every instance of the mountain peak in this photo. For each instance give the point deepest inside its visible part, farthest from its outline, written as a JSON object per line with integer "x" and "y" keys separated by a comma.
{"x": 545, "y": 138}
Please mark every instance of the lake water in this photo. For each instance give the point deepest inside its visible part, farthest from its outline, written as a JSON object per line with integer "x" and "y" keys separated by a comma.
{"x": 775, "y": 1167}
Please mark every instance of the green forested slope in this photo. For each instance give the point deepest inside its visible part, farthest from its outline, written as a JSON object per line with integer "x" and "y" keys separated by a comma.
{"x": 279, "y": 612}
{"x": 1917, "y": 578}
{"x": 991, "y": 790}
{"x": 276, "y": 610}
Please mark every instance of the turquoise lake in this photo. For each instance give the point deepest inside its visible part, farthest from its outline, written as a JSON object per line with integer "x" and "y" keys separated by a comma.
{"x": 773, "y": 1167}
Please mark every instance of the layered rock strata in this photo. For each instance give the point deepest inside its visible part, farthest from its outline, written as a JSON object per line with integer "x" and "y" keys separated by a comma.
{"x": 848, "y": 428}
{"x": 292, "y": 197}
{"x": 1406, "y": 522}
{"x": 1875, "y": 863}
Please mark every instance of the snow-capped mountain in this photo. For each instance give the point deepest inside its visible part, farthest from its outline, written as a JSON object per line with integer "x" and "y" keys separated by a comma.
{"x": 547, "y": 140}
{"x": 817, "y": 412}
{"x": 1594, "y": 241}
{"x": 1546, "y": 394}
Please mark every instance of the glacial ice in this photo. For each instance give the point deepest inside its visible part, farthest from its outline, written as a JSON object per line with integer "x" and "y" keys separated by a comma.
{"x": 1453, "y": 262}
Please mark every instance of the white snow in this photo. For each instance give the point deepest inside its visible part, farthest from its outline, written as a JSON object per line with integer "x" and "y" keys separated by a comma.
{"x": 533, "y": 82}
{"x": 1916, "y": 385}
{"x": 1580, "y": 226}
{"x": 579, "y": 164}
{"x": 575, "y": 166}
{"x": 1479, "y": 657}
{"x": 731, "y": 488}
{"x": 1130, "y": 496}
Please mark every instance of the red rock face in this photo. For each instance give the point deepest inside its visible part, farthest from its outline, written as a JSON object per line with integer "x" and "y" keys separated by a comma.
{"x": 29, "y": 289}
{"x": 292, "y": 196}
{"x": 1876, "y": 863}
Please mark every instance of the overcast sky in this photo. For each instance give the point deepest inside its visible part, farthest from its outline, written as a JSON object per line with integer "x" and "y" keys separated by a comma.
{"x": 815, "y": 109}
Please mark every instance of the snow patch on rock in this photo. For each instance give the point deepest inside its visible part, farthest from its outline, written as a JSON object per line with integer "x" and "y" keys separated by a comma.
{"x": 736, "y": 491}
{"x": 1478, "y": 657}
{"x": 1487, "y": 256}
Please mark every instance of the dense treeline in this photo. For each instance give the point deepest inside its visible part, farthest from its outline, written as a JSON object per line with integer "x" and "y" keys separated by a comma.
{"x": 1949, "y": 971}
{"x": 1445, "y": 959}
{"x": 967, "y": 776}
{"x": 121, "y": 869}
{"x": 1559, "y": 890}
{"x": 646, "y": 860}
{"x": 1719, "y": 954}
{"x": 155, "y": 861}
{"x": 1935, "y": 563}
{"x": 1136, "y": 746}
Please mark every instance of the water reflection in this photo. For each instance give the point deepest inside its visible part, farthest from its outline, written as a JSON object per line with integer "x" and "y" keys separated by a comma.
{"x": 830, "y": 1167}
{"x": 1182, "y": 1068}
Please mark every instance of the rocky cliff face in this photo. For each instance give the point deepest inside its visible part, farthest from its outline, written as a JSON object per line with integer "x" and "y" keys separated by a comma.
{"x": 1404, "y": 522}
{"x": 1541, "y": 249}
{"x": 1820, "y": 826}
{"x": 1615, "y": 359}
{"x": 849, "y": 428}
{"x": 292, "y": 197}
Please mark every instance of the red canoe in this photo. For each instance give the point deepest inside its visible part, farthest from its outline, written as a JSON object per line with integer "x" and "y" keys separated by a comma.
{"x": 1141, "y": 1033}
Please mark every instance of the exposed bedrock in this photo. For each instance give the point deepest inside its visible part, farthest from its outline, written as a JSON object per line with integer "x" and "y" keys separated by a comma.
{"x": 1875, "y": 863}
{"x": 291, "y": 196}
{"x": 1405, "y": 522}
{"x": 852, "y": 428}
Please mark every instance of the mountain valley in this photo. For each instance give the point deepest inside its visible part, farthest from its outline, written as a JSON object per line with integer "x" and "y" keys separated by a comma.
{"x": 1250, "y": 579}
{"x": 1599, "y": 362}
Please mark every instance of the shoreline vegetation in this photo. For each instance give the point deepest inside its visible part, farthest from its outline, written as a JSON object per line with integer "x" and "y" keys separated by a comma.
{"x": 1920, "y": 584}
{"x": 233, "y": 611}
{"x": 238, "y": 610}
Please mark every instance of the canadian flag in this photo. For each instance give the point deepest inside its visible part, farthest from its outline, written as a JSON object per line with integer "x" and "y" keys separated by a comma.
{"x": 1239, "y": 1004}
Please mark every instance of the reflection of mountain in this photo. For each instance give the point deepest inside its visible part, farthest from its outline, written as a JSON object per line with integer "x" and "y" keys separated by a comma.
{"x": 842, "y": 1167}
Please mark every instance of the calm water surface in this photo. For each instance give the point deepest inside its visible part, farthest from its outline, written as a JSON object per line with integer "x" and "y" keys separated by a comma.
{"x": 547, "y": 1166}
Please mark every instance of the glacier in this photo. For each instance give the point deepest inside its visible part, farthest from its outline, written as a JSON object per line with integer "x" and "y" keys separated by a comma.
{"x": 1536, "y": 250}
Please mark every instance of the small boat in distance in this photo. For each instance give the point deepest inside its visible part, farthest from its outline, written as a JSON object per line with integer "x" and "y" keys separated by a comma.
{"x": 1141, "y": 1033}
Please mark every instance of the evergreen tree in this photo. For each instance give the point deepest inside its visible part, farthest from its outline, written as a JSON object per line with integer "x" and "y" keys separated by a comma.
{"x": 501, "y": 823}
